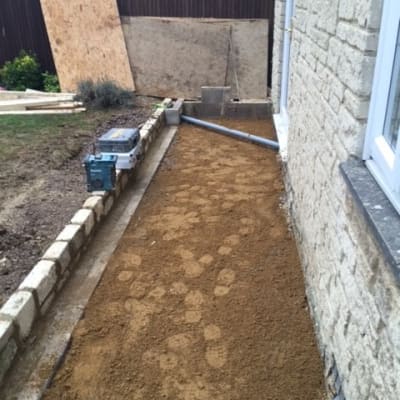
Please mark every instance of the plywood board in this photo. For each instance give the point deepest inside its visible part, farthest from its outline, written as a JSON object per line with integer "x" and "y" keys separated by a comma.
{"x": 248, "y": 63}
{"x": 87, "y": 41}
{"x": 177, "y": 56}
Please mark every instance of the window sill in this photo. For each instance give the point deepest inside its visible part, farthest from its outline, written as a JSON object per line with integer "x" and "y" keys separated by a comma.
{"x": 377, "y": 210}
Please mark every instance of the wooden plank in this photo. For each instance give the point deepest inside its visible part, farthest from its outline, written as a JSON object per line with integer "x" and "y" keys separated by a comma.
{"x": 43, "y": 112}
{"x": 60, "y": 106}
{"x": 32, "y": 94}
{"x": 21, "y": 104}
{"x": 50, "y": 94}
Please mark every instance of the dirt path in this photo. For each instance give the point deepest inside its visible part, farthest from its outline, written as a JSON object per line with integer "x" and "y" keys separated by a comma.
{"x": 203, "y": 298}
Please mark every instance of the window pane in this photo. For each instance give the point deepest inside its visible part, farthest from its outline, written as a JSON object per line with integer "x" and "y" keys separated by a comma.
{"x": 392, "y": 120}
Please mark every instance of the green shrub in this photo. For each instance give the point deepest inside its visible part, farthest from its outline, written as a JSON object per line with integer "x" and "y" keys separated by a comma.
{"x": 50, "y": 82}
{"x": 21, "y": 73}
{"x": 85, "y": 91}
{"x": 103, "y": 94}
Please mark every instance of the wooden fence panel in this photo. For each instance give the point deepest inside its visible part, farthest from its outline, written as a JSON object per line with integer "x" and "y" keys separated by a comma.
{"x": 22, "y": 24}
{"x": 22, "y": 28}
{"x": 246, "y": 9}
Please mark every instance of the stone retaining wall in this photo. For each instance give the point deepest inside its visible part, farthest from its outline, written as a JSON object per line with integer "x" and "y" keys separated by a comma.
{"x": 36, "y": 293}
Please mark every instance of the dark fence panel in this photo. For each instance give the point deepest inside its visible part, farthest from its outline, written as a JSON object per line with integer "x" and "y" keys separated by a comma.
{"x": 198, "y": 8}
{"x": 232, "y": 9}
{"x": 22, "y": 27}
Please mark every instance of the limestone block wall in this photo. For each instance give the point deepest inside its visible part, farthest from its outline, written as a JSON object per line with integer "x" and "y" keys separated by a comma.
{"x": 87, "y": 42}
{"x": 353, "y": 295}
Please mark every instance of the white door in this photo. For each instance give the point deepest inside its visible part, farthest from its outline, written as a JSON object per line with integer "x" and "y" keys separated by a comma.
{"x": 282, "y": 120}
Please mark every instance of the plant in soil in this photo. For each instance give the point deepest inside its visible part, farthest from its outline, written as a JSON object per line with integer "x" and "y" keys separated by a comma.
{"x": 103, "y": 94}
{"x": 50, "y": 83}
{"x": 21, "y": 73}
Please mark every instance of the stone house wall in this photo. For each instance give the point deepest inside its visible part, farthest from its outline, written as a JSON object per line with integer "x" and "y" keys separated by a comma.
{"x": 353, "y": 295}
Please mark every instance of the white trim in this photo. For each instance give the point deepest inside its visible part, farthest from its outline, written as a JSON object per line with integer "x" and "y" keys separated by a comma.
{"x": 281, "y": 120}
{"x": 287, "y": 34}
{"x": 281, "y": 123}
{"x": 393, "y": 197}
{"x": 382, "y": 160}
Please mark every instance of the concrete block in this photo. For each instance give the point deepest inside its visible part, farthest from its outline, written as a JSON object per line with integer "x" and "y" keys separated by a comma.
{"x": 248, "y": 110}
{"x": 146, "y": 146}
{"x": 144, "y": 133}
{"x": 95, "y": 203}
{"x": 101, "y": 193}
{"x": 166, "y": 102}
{"x": 63, "y": 280}
{"x": 152, "y": 121}
{"x": 215, "y": 95}
{"x": 148, "y": 126}
{"x": 42, "y": 280}
{"x": 85, "y": 218}
{"x": 6, "y": 357}
{"x": 21, "y": 308}
{"x": 158, "y": 123}
{"x": 173, "y": 114}
{"x": 6, "y": 330}
{"x": 117, "y": 189}
{"x": 199, "y": 110}
{"x": 108, "y": 205}
{"x": 58, "y": 252}
{"x": 124, "y": 180}
{"x": 74, "y": 235}
{"x": 46, "y": 305}
{"x": 157, "y": 113}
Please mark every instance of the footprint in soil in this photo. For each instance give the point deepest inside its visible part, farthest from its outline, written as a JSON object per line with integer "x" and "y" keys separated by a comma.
{"x": 193, "y": 301}
{"x": 191, "y": 267}
{"x": 225, "y": 280}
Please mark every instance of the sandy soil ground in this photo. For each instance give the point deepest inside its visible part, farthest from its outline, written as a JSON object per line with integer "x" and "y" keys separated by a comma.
{"x": 42, "y": 188}
{"x": 203, "y": 298}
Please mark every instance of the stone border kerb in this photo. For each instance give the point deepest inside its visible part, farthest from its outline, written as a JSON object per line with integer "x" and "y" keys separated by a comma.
{"x": 34, "y": 296}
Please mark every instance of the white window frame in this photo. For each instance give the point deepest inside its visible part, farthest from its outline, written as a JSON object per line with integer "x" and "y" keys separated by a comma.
{"x": 381, "y": 159}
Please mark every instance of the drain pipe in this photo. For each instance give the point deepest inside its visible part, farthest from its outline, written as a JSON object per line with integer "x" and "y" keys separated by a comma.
{"x": 231, "y": 132}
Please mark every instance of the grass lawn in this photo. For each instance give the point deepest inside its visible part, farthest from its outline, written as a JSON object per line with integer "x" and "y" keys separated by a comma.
{"x": 19, "y": 133}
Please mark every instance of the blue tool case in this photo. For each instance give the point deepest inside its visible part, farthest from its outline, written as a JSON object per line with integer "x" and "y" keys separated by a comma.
{"x": 119, "y": 140}
{"x": 100, "y": 172}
